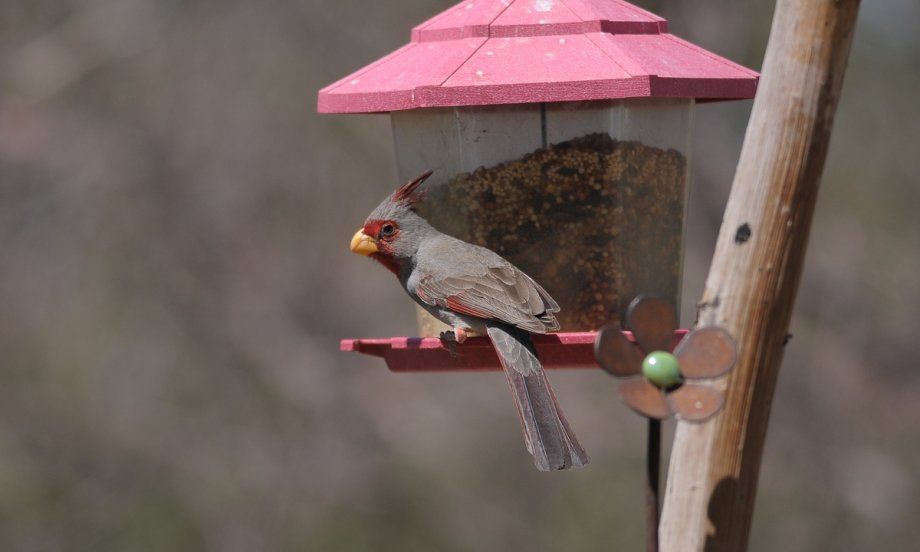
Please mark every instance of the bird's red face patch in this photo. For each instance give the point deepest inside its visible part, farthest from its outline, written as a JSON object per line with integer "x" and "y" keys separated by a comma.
{"x": 384, "y": 232}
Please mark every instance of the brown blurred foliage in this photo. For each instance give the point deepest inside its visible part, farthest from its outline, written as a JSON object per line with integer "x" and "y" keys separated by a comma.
{"x": 174, "y": 277}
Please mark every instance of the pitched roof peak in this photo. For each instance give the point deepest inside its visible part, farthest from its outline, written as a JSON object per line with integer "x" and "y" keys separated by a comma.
{"x": 506, "y": 18}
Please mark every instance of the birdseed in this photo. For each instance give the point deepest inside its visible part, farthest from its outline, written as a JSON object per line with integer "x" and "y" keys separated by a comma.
{"x": 594, "y": 220}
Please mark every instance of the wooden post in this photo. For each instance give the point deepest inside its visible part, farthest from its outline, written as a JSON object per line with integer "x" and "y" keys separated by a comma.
{"x": 752, "y": 283}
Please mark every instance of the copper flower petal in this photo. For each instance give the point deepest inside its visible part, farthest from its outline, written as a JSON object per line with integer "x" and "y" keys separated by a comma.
{"x": 706, "y": 353}
{"x": 652, "y": 321}
{"x": 644, "y": 398}
{"x": 695, "y": 403}
{"x": 616, "y": 354}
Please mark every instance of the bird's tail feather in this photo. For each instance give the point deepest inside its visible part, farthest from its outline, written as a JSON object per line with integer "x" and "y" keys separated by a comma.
{"x": 547, "y": 434}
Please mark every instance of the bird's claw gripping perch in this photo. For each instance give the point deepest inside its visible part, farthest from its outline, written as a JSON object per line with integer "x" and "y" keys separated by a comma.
{"x": 449, "y": 340}
{"x": 453, "y": 337}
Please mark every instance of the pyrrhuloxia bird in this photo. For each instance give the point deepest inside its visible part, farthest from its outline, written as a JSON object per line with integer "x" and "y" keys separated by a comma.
{"x": 476, "y": 292}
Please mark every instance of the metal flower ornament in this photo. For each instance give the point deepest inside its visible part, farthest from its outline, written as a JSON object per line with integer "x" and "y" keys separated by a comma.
{"x": 658, "y": 383}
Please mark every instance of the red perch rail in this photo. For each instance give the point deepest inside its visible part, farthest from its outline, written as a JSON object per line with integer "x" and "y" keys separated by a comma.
{"x": 431, "y": 354}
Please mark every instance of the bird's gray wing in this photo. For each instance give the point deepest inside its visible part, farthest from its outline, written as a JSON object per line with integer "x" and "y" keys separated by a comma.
{"x": 492, "y": 291}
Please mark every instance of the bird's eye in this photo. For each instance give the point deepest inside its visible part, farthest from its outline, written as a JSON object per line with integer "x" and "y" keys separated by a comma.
{"x": 387, "y": 230}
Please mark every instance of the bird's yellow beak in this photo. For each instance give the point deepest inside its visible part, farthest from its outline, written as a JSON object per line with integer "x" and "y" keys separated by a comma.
{"x": 363, "y": 244}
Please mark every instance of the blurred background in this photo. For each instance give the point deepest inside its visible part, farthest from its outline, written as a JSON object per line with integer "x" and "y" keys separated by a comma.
{"x": 175, "y": 277}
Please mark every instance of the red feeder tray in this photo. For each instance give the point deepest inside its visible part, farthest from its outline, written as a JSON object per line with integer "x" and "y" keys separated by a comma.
{"x": 430, "y": 354}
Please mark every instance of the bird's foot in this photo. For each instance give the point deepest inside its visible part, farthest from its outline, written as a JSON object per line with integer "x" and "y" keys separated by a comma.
{"x": 457, "y": 335}
{"x": 450, "y": 340}
{"x": 454, "y": 337}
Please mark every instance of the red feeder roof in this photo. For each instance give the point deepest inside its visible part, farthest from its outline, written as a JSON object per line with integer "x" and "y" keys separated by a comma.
{"x": 484, "y": 52}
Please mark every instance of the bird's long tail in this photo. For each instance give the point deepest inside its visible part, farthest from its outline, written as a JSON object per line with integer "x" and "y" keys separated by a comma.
{"x": 547, "y": 434}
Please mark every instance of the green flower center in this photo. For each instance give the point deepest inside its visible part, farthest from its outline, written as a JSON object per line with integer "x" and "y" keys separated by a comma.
{"x": 661, "y": 368}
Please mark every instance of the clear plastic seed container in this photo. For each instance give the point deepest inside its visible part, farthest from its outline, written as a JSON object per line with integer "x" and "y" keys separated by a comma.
{"x": 588, "y": 198}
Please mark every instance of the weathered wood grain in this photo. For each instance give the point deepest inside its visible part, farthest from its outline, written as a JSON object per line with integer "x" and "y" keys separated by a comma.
{"x": 755, "y": 272}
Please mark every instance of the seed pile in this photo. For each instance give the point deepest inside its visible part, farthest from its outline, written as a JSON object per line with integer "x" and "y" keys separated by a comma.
{"x": 594, "y": 220}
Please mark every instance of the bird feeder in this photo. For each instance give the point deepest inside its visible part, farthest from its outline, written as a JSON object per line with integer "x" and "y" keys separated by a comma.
{"x": 559, "y": 136}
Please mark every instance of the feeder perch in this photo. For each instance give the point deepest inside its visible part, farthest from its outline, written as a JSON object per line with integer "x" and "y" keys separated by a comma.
{"x": 658, "y": 384}
{"x": 431, "y": 354}
{"x": 559, "y": 136}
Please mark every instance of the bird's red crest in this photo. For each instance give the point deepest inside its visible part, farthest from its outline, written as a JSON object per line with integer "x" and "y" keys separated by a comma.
{"x": 409, "y": 192}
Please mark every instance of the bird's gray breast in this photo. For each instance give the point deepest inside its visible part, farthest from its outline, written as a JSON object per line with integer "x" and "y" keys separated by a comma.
{"x": 443, "y": 255}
